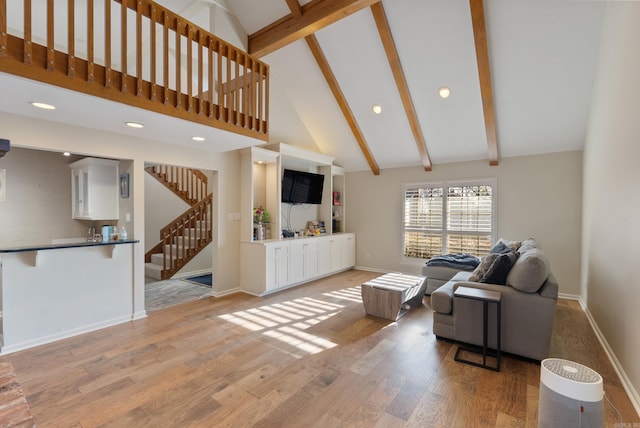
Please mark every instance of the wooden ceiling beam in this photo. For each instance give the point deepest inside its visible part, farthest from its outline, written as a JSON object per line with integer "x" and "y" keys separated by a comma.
{"x": 295, "y": 8}
{"x": 313, "y": 16}
{"x": 321, "y": 59}
{"x": 398, "y": 74}
{"x": 316, "y": 50}
{"x": 484, "y": 74}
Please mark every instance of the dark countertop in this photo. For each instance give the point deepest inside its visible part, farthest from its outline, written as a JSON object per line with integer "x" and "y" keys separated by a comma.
{"x": 68, "y": 245}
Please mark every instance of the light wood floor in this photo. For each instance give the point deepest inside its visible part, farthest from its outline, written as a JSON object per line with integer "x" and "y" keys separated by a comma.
{"x": 307, "y": 357}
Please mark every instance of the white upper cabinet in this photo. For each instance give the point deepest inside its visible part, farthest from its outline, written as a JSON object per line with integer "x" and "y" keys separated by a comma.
{"x": 95, "y": 189}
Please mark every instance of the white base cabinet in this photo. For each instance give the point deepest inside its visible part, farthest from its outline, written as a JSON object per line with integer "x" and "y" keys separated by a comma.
{"x": 268, "y": 266}
{"x": 343, "y": 251}
{"x": 277, "y": 266}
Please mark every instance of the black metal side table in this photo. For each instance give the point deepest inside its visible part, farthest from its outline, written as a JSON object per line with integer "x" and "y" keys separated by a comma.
{"x": 486, "y": 297}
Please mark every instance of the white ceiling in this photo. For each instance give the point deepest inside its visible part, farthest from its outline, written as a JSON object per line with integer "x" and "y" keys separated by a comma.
{"x": 542, "y": 56}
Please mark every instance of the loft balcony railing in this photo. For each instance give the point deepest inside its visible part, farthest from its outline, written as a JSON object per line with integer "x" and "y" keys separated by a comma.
{"x": 138, "y": 53}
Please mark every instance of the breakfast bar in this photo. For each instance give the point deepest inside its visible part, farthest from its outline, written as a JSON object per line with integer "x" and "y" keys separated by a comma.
{"x": 50, "y": 292}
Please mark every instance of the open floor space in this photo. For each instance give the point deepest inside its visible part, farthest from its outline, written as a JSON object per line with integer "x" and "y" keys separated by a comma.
{"x": 304, "y": 357}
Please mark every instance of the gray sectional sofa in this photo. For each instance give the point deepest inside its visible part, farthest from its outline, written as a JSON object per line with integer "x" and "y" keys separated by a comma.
{"x": 529, "y": 299}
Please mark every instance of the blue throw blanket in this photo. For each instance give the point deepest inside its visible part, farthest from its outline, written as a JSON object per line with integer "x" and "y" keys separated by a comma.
{"x": 462, "y": 261}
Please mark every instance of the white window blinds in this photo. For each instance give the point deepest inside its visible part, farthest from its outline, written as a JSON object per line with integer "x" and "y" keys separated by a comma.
{"x": 448, "y": 218}
{"x": 423, "y": 221}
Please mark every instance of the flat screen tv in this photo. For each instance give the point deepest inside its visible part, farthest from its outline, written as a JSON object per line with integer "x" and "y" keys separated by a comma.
{"x": 302, "y": 187}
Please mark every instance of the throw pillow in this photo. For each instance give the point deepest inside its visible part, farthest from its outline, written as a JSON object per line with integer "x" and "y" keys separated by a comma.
{"x": 494, "y": 268}
{"x": 530, "y": 272}
{"x": 513, "y": 245}
{"x": 500, "y": 248}
{"x": 500, "y": 268}
{"x": 482, "y": 269}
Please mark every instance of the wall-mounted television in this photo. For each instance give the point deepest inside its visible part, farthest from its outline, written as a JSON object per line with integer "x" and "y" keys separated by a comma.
{"x": 302, "y": 187}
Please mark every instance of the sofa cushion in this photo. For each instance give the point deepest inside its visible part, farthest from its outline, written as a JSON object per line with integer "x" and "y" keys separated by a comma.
{"x": 442, "y": 298}
{"x": 527, "y": 244}
{"x": 440, "y": 272}
{"x": 494, "y": 268}
{"x": 529, "y": 272}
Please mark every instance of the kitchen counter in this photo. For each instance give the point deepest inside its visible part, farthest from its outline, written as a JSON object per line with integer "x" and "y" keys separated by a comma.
{"x": 66, "y": 245}
{"x": 54, "y": 291}
{"x": 294, "y": 238}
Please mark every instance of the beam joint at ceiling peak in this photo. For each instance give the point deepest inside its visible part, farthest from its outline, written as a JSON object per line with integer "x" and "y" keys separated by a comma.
{"x": 314, "y": 16}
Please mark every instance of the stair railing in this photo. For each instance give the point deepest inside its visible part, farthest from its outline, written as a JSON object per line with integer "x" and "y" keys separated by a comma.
{"x": 191, "y": 185}
{"x": 184, "y": 237}
{"x": 138, "y": 53}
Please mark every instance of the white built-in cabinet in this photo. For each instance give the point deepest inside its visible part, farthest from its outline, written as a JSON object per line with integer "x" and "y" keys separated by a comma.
{"x": 342, "y": 250}
{"x": 272, "y": 265}
{"x": 95, "y": 189}
{"x": 324, "y": 256}
{"x": 275, "y": 263}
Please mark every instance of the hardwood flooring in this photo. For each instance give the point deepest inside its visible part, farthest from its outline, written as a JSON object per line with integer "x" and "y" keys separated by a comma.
{"x": 305, "y": 357}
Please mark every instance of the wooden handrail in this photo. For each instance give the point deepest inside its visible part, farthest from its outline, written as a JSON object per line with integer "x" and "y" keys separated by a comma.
{"x": 187, "y": 73}
{"x": 184, "y": 237}
{"x": 188, "y": 216}
{"x": 191, "y": 185}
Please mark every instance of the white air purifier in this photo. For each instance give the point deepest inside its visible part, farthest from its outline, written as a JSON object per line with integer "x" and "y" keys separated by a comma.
{"x": 571, "y": 395}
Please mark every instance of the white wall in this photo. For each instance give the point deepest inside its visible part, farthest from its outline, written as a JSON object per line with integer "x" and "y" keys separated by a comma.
{"x": 538, "y": 196}
{"x": 37, "y": 208}
{"x": 298, "y": 215}
{"x": 160, "y": 206}
{"x": 33, "y": 133}
{"x": 611, "y": 226}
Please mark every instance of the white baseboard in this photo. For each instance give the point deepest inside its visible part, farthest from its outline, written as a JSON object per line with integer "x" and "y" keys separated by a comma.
{"x": 139, "y": 315}
{"x": 624, "y": 379}
{"x": 63, "y": 335}
{"x": 569, "y": 297}
{"x": 199, "y": 272}
{"x": 226, "y": 292}
{"x": 370, "y": 269}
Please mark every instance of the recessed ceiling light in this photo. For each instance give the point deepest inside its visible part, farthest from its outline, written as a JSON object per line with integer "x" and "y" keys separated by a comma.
{"x": 444, "y": 92}
{"x": 377, "y": 108}
{"x": 43, "y": 105}
{"x": 134, "y": 125}
{"x": 197, "y": 138}
{"x": 66, "y": 154}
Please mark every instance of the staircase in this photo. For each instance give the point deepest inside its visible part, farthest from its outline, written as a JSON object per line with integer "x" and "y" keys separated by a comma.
{"x": 189, "y": 233}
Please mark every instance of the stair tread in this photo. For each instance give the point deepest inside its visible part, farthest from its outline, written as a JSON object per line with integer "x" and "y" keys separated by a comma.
{"x": 153, "y": 270}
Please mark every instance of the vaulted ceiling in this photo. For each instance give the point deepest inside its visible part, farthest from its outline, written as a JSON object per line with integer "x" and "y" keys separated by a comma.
{"x": 520, "y": 74}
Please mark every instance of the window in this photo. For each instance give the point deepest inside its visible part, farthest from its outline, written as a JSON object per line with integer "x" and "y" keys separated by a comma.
{"x": 452, "y": 217}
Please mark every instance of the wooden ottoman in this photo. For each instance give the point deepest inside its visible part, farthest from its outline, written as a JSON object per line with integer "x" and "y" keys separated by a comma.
{"x": 390, "y": 296}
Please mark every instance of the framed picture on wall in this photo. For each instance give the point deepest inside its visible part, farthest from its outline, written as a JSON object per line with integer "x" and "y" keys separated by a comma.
{"x": 124, "y": 185}
{"x": 336, "y": 198}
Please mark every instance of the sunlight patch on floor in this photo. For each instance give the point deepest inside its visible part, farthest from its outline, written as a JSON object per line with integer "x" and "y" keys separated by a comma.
{"x": 351, "y": 294}
{"x": 287, "y": 321}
